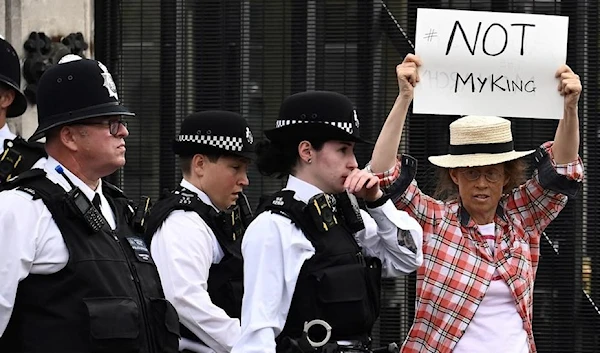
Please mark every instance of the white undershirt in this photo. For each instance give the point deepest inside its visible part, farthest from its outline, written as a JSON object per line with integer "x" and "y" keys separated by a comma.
{"x": 5, "y": 134}
{"x": 496, "y": 327}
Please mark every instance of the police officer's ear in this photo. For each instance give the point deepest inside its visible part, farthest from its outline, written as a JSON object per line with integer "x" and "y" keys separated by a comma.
{"x": 7, "y": 96}
{"x": 305, "y": 151}
{"x": 199, "y": 162}
{"x": 69, "y": 135}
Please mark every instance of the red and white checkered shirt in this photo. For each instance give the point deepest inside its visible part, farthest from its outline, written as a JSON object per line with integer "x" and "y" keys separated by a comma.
{"x": 457, "y": 267}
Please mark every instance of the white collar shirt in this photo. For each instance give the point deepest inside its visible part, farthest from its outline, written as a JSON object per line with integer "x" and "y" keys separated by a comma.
{"x": 184, "y": 248}
{"x": 274, "y": 250}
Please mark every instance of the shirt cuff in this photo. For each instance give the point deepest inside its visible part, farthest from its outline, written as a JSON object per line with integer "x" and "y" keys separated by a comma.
{"x": 379, "y": 202}
{"x": 387, "y": 177}
{"x": 572, "y": 170}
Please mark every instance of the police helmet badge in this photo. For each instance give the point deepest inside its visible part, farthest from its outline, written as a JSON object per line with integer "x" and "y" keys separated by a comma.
{"x": 110, "y": 85}
{"x": 355, "y": 119}
{"x": 249, "y": 136}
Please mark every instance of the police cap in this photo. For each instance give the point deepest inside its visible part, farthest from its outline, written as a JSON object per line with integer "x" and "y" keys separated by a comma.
{"x": 10, "y": 74}
{"x": 321, "y": 115}
{"x": 75, "y": 89}
{"x": 215, "y": 131}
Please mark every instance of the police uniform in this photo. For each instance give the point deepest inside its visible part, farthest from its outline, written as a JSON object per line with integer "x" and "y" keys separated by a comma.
{"x": 16, "y": 154}
{"x": 195, "y": 246}
{"x": 75, "y": 276}
{"x": 300, "y": 268}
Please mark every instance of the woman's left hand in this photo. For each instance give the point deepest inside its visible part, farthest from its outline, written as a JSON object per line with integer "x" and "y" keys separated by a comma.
{"x": 363, "y": 185}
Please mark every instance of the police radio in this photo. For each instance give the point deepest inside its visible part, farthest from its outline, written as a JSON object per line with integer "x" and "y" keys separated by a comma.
{"x": 245, "y": 211}
{"x": 142, "y": 210}
{"x": 241, "y": 216}
{"x": 348, "y": 208}
{"x": 321, "y": 211}
{"x": 81, "y": 205}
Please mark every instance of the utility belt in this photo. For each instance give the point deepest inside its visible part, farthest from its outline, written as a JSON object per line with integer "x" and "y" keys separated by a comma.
{"x": 305, "y": 344}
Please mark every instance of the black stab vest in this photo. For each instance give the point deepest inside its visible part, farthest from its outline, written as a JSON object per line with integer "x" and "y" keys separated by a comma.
{"x": 225, "y": 279}
{"x": 108, "y": 297}
{"x": 338, "y": 284}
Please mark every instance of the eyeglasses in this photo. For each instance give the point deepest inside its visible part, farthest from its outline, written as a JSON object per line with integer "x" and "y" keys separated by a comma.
{"x": 491, "y": 175}
{"x": 113, "y": 125}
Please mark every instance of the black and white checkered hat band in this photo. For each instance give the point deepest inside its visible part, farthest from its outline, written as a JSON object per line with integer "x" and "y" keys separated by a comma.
{"x": 346, "y": 126}
{"x": 223, "y": 142}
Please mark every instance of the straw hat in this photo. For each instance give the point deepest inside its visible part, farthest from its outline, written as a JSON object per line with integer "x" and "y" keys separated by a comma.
{"x": 478, "y": 141}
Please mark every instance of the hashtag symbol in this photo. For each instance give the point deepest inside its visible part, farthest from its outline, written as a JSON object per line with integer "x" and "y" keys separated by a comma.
{"x": 430, "y": 35}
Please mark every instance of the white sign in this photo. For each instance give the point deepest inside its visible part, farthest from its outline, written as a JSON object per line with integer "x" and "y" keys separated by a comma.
{"x": 489, "y": 63}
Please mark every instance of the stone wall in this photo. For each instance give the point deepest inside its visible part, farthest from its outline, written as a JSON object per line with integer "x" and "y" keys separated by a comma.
{"x": 56, "y": 18}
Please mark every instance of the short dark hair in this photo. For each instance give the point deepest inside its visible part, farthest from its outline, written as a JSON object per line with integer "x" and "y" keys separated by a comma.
{"x": 52, "y": 134}
{"x": 5, "y": 86}
{"x": 279, "y": 159}
{"x": 446, "y": 189}
{"x": 185, "y": 161}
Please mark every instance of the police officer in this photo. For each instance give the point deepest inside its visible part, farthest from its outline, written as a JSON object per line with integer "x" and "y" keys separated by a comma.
{"x": 195, "y": 231}
{"x": 16, "y": 154}
{"x": 75, "y": 277}
{"x": 312, "y": 260}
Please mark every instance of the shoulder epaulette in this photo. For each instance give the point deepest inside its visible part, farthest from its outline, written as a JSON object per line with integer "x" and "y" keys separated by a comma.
{"x": 19, "y": 179}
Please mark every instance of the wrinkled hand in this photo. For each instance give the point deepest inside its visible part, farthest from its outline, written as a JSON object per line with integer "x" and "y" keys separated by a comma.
{"x": 408, "y": 75}
{"x": 569, "y": 86}
{"x": 363, "y": 185}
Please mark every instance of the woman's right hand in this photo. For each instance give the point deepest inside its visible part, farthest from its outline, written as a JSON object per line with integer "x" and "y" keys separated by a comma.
{"x": 408, "y": 75}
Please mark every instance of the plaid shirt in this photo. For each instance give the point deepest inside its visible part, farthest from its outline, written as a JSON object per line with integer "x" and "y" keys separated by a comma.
{"x": 458, "y": 267}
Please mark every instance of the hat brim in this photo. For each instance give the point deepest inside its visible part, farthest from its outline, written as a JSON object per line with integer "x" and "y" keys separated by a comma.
{"x": 477, "y": 159}
{"x": 319, "y": 131}
{"x": 104, "y": 110}
{"x": 19, "y": 104}
{"x": 193, "y": 148}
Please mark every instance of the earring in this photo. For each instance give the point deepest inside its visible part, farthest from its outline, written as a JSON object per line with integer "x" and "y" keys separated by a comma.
{"x": 309, "y": 161}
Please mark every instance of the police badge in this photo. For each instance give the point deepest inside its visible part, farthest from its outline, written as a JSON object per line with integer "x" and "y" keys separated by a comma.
{"x": 110, "y": 85}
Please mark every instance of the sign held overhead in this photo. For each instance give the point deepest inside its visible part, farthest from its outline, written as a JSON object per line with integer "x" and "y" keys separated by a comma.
{"x": 489, "y": 63}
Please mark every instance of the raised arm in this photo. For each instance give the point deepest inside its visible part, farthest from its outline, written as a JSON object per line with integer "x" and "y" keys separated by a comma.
{"x": 566, "y": 139}
{"x": 386, "y": 147}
